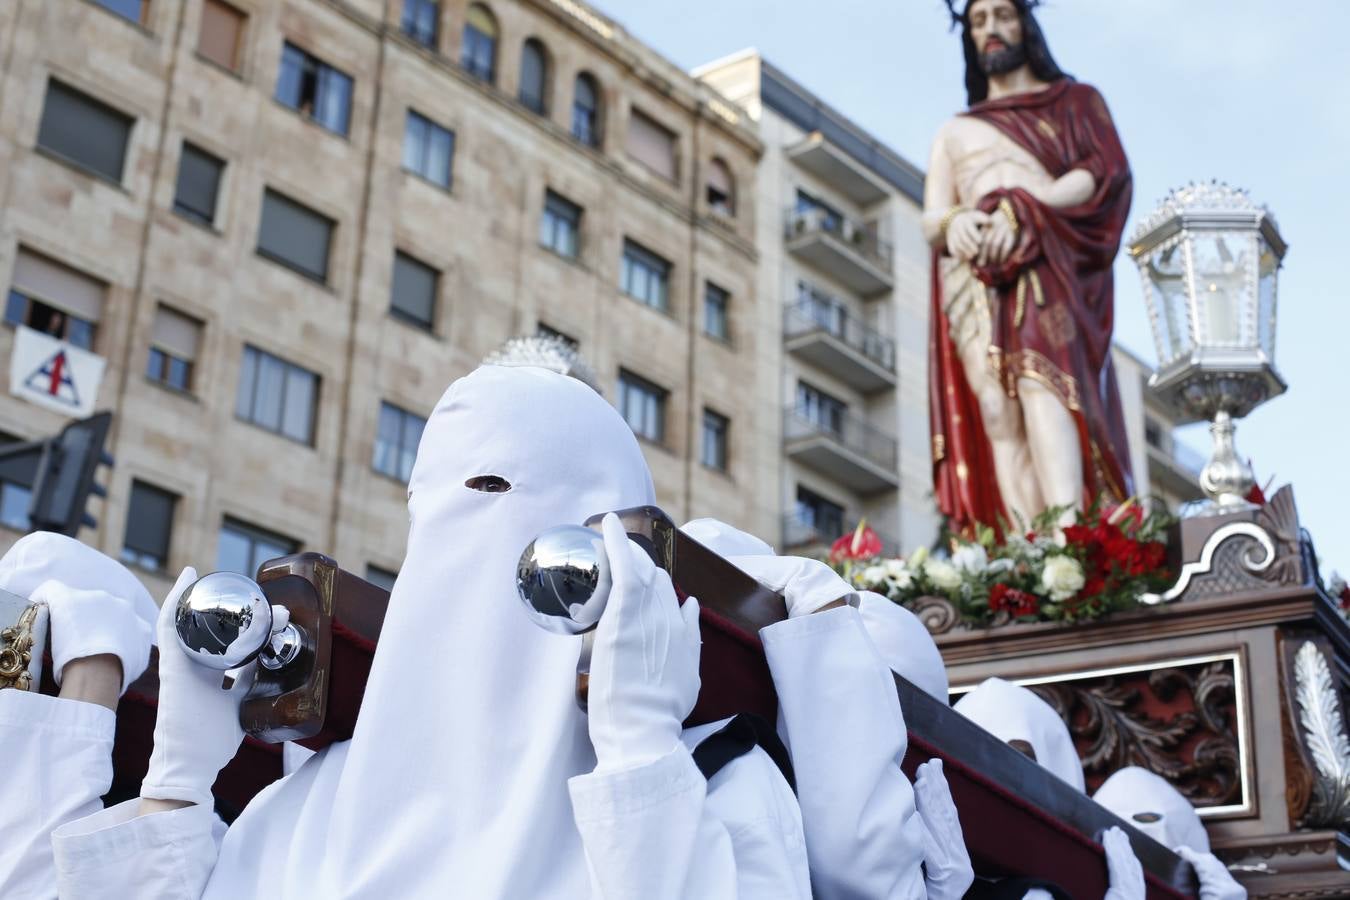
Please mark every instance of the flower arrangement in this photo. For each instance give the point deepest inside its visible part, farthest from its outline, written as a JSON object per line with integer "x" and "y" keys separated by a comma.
{"x": 1099, "y": 564}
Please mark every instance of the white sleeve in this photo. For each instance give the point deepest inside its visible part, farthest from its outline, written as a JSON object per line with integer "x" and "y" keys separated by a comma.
{"x": 57, "y": 755}
{"x": 651, "y": 832}
{"x": 840, "y": 717}
{"x": 115, "y": 853}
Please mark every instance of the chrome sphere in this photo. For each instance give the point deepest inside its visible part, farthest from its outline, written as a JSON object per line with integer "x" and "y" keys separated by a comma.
{"x": 223, "y": 620}
{"x": 563, "y": 579}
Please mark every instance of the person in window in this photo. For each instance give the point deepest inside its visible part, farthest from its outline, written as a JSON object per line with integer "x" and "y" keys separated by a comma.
{"x": 471, "y": 771}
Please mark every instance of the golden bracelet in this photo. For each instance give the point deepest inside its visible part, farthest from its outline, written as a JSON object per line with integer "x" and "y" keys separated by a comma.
{"x": 948, "y": 218}
{"x": 1005, "y": 207}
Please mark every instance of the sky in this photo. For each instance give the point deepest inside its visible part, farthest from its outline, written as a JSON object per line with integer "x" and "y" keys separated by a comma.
{"x": 1250, "y": 92}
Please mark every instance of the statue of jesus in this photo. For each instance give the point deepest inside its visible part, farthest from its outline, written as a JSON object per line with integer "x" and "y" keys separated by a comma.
{"x": 1024, "y": 205}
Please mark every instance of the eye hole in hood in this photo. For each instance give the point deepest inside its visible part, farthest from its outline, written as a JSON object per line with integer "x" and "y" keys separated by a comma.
{"x": 1147, "y": 817}
{"x": 488, "y": 484}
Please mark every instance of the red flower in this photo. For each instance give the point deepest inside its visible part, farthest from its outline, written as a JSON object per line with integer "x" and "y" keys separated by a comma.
{"x": 1018, "y": 603}
{"x": 863, "y": 543}
{"x": 1345, "y": 597}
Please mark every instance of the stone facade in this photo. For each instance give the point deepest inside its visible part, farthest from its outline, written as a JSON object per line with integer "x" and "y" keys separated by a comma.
{"x": 482, "y": 234}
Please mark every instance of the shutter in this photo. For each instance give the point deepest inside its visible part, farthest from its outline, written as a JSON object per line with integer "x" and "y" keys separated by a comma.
{"x": 651, "y": 144}
{"x": 295, "y": 235}
{"x": 219, "y": 37}
{"x": 59, "y": 286}
{"x": 149, "y": 520}
{"x": 176, "y": 333}
{"x": 85, "y": 131}
{"x": 198, "y": 182}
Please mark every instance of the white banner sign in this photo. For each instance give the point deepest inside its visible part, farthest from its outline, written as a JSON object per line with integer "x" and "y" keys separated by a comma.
{"x": 52, "y": 373}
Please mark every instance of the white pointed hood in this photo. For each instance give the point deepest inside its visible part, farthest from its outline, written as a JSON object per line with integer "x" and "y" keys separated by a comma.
{"x": 1149, "y": 803}
{"x": 455, "y": 780}
{"x": 1010, "y": 712}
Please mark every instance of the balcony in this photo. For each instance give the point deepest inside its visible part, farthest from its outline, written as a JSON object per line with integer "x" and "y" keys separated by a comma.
{"x": 848, "y": 250}
{"x": 832, "y": 165}
{"x": 1176, "y": 473}
{"x": 847, "y": 448}
{"x": 830, "y": 337}
{"x": 802, "y": 538}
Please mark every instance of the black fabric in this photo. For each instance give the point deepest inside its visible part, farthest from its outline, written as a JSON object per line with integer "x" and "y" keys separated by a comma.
{"x": 1012, "y": 889}
{"x": 737, "y": 738}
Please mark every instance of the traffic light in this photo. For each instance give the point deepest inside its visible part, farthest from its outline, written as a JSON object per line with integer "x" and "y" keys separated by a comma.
{"x": 60, "y": 473}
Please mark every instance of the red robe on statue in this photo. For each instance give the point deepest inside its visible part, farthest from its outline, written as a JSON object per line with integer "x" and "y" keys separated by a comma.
{"x": 1052, "y": 305}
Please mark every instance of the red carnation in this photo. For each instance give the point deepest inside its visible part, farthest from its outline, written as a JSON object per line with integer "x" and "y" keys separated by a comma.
{"x": 1019, "y": 603}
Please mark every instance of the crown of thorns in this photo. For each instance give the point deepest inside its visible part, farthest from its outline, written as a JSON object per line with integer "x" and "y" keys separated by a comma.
{"x": 956, "y": 14}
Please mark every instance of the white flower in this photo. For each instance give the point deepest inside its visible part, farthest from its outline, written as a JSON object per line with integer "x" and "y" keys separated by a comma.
{"x": 895, "y": 568}
{"x": 916, "y": 559}
{"x": 874, "y": 575}
{"x": 1061, "y": 578}
{"x": 971, "y": 559}
{"x": 1335, "y": 584}
{"x": 943, "y": 574}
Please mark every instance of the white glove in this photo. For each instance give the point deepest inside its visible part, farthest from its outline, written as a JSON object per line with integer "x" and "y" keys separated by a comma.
{"x": 197, "y": 727}
{"x": 1216, "y": 882}
{"x": 1125, "y": 874}
{"x": 948, "y": 873}
{"x": 96, "y": 605}
{"x": 644, "y": 666}
{"x": 806, "y": 584}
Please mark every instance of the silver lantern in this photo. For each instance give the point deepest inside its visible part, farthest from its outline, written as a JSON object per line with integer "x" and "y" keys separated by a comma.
{"x": 1209, "y": 259}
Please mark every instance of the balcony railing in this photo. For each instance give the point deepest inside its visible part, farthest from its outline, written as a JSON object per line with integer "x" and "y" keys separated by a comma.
{"x": 843, "y": 446}
{"x": 828, "y": 335}
{"x": 850, "y": 250}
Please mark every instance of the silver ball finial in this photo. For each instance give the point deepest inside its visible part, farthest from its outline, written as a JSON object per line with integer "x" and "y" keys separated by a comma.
{"x": 563, "y": 579}
{"x": 224, "y": 621}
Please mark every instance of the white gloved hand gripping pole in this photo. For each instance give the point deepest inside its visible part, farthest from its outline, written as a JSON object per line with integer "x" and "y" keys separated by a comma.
{"x": 197, "y": 727}
{"x": 948, "y": 873}
{"x": 644, "y": 666}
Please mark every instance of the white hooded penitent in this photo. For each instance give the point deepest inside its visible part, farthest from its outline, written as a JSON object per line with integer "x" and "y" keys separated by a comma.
{"x": 1010, "y": 712}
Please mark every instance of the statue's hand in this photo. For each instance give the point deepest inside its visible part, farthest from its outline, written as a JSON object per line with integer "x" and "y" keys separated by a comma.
{"x": 998, "y": 242}
{"x": 965, "y": 233}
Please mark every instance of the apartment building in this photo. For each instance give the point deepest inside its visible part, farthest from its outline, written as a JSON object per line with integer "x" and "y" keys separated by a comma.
{"x": 843, "y": 280}
{"x": 1166, "y": 471}
{"x": 285, "y": 227}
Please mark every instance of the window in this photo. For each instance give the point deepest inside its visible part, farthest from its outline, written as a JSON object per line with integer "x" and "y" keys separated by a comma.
{"x": 314, "y": 89}
{"x": 294, "y": 235}
{"x": 131, "y": 10}
{"x": 820, "y": 409}
{"x": 277, "y": 395}
{"x": 380, "y": 577}
{"x": 414, "y": 293}
{"x": 559, "y": 225}
{"x": 643, "y": 406}
{"x": 420, "y": 20}
{"x": 480, "y": 43}
{"x": 830, "y": 219}
{"x": 396, "y": 441}
{"x": 1153, "y": 432}
{"x": 219, "y": 39}
{"x": 198, "y": 185}
{"x": 645, "y": 276}
{"x": 823, "y": 517}
{"x": 149, "y": 524}
{"x": 715, "y": 428}
{"x": 428, "y": 149}
{"x": 243, "y": 548}
{"x": 547, "y": 331}
{"x": 820, "y": 308}
{"x": 586, "y": 110}
{"x": 721, "y": 189}
{"x": 54, "y": 299}
{"x": 15, "y": 500}
{"x": 534, "y": 76}
{"x": 84, "y": 131}
{"x": 173, "y": 348}
{"x": 715, "y": 312}
{"x": 652, "y": 144}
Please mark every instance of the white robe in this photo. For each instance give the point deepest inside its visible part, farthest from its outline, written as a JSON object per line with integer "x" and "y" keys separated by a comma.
{"x": 470, "y": 770}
